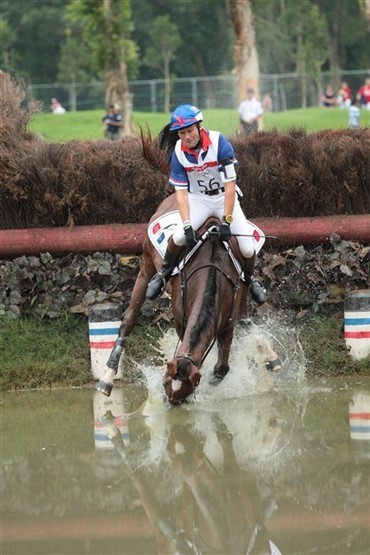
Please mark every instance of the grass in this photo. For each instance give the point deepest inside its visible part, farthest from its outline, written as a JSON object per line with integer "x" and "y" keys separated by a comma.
{"x": 87, "y": 125}
{"x": 43, "y": 353}
{"x": 329, "y": 356}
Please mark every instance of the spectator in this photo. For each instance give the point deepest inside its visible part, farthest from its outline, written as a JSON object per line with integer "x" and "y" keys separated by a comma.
{"x": 267, "y": 102}
{"x": 250, "y": 112}
{"x": 363, "y": 94}
{"x": 56, "y": 107}
{"x": 328, "y": 99}
{"x": 344, "y": 98}
{"x": 112, "y": 123}
{"x": 354, "y": 114}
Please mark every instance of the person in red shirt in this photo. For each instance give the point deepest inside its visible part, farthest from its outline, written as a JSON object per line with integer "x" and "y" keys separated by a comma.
{"x": 363, "y": 94}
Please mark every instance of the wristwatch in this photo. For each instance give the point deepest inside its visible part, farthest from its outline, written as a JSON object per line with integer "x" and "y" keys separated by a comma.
{"x": 228, "y": 219}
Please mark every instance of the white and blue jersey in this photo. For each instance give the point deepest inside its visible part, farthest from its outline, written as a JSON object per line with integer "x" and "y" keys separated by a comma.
{"x": 199, "y": 172}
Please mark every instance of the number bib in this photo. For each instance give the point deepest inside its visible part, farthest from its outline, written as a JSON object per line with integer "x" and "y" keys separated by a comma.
{"x": 204, "y": 175}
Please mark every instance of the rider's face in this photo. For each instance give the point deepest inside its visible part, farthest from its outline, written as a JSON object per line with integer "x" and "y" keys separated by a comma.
{"x": 190, "y": 135}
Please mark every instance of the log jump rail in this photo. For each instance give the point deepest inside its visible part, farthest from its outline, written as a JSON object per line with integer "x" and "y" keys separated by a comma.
{"x": 128, "y": 238}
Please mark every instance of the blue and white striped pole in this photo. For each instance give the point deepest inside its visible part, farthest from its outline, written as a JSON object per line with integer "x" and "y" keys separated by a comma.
{"x": 104, "y": 323}
{"x": 357, "y": 323}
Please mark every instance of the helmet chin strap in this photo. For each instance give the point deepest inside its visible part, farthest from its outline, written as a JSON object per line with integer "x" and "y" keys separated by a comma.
{"x": 198, "y": 145}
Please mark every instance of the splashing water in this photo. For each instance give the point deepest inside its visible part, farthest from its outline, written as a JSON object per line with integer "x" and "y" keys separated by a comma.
{"x": 248, "y": 374}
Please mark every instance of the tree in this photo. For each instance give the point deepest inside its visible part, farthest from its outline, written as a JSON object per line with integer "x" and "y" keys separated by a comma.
{"x": 37, "y": 31}
{"x": 365, "y": 7}
{"x": 309, "y": 40}
{"x": 165, "y": 41}
{"x": 73, "y": 68}
{"x": 107, "y": 24}
{"x": 7, "y": 39}
{"x": 246, "y": 55}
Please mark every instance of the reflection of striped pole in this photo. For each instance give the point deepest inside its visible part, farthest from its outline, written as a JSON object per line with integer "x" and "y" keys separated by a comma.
{"x": 359, "y": 424}
{"x": 104, "y": 323}
{"x": 110, "y": 419}
{"x": 357, "y": 323}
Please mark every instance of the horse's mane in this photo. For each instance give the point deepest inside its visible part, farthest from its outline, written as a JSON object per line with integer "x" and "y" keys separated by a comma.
{"x": 208, "y": 305}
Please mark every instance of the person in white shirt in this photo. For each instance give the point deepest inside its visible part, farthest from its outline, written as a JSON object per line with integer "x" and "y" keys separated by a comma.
{"x": 250, "y": 113}
{"x": 354, "y": 114}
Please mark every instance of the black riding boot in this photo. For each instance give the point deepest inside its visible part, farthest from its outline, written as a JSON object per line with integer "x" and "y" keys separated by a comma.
{"x": 255, "y": 289}
{"x": 158, "y": 282}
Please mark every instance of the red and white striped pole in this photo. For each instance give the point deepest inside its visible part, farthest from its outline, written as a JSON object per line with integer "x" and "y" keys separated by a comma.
{"x": 357, "y": 323}
{"x": 104, "y": 323}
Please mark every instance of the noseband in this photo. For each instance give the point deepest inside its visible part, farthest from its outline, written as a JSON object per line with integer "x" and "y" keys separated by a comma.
{"x": 188, "y": 357}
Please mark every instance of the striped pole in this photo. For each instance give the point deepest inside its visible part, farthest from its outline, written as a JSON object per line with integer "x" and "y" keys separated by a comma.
{"x": 104, "y": 323}
{"x": 357, "y": 323}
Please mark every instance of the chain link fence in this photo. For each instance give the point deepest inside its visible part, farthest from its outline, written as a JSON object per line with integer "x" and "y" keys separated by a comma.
{"x": 287, "y": 90}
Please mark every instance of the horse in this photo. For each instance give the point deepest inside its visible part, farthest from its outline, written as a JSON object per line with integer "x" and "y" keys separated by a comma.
{"x": 207, "y": 296}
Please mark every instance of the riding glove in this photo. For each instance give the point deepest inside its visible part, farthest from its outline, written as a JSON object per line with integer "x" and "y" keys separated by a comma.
{"x": 190, "y": 237}
{"x": 224, "y": 231}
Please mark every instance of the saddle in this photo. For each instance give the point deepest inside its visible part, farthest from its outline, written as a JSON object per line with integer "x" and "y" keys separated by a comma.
{"x": 161, "y": 229}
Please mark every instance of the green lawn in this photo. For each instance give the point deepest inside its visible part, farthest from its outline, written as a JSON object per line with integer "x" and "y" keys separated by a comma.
{"x": 86, "y": 125}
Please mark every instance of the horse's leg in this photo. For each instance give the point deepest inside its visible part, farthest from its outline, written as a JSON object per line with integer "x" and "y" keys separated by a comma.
{"x": 268, "y": 359}
{"x": 222, "y": 367}
{"x": 243, "y": 308}
{"x": 147, "y": 270}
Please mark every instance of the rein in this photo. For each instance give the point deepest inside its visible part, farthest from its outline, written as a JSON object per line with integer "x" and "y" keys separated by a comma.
{"x": 184, "y": 281}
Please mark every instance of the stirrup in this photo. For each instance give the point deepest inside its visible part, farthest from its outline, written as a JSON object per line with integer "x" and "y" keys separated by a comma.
{"x": 155, "y": 286}
{"x": 257, "y": 292}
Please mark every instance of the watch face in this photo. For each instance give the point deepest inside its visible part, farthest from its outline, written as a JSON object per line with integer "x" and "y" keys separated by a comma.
{"x": 229, "y": 219}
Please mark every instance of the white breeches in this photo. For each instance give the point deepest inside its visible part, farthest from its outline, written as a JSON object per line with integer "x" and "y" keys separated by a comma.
{"x": 204, "y": 206}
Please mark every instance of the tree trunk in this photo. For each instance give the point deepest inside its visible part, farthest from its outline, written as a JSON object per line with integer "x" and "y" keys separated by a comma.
{"x": 245, "y": 55}
{"x": 167, "y": 83}
{"x": 117, "y": 93}
{"x": 73, "y": 95}
{"x": 366, "y": 6}
{"x": 301, "y": 66}
{"x": 117, "y": 89}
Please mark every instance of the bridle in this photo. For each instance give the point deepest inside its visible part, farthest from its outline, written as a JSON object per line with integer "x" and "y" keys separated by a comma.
{"x": 212, "y": 235}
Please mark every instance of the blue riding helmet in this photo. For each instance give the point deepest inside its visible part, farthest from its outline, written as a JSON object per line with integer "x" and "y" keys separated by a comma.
{"x": 184, "y": 116}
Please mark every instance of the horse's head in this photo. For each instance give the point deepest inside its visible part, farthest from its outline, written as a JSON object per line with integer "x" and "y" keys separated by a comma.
{"x": 181, "y": 379}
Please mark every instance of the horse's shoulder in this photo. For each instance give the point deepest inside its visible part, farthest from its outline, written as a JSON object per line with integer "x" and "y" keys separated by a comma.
{"x": 150, "y": 255}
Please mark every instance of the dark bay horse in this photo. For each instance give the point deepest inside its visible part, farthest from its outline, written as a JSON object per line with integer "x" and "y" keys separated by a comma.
{"x": 207, "y": 295}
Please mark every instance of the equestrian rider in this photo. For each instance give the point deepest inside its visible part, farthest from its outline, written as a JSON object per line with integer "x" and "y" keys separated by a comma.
{"x": 203, "y": 175}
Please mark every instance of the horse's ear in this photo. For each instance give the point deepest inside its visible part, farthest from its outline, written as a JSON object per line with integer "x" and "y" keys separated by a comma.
{"x": 195, "y": 378}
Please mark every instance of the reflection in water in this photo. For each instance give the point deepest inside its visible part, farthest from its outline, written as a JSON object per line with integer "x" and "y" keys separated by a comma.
{"x": 213, "y": 504}
{"x": 281, "y": 471}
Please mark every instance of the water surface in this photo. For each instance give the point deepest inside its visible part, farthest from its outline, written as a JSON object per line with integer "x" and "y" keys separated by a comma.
{"x": 286, "y": 470}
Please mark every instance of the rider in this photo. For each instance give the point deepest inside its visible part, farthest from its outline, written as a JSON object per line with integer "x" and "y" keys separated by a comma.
{"x": 204, "y": 178}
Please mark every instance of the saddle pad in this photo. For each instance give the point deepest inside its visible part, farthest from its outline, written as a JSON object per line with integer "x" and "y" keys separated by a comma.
{"x": 161, "y": 229}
